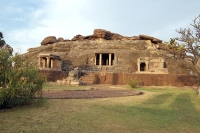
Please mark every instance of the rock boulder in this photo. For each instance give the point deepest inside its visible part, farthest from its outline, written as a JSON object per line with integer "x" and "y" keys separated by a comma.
{"x": 145, "y": 37}
{"x": 77, "y": 38}
{"x": 100, "y": 33}
{"x": 107, "y": 35}
{"x": 49, "y": 40}
{"x": 156, "y": 40}
{"x": 116, "y": 36}
{"x": 60, "y": 39}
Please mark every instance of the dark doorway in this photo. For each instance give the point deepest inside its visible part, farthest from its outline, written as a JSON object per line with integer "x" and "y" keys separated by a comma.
{"x": 49, "y": 64}
{"x": 105, "y": 59}
{"x": 142, "y": 66}
{"x": 165, "y": 65}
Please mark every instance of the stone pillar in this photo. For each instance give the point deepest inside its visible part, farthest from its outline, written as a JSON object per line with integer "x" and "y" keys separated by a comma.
{"x": 147, "y": 66}
{"x": 95, "y": 60}
{"x": 138, "y": 64}
{"x": 48, "y": 60}
{"x": 52, "y": 62}
{"x": 39, "y": 62}
{"x": 44, "y": 62}
{"x": 100, "y": 59}
{"x": 109, "y": 60}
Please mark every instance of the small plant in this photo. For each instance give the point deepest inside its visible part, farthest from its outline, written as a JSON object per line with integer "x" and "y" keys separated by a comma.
{"x": 133, "y": 83}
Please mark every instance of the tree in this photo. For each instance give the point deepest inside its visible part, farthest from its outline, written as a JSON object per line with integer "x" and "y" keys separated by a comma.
{"x": 20, "y": 80}
{"x": 2, "y": 42}
{"x": 177, "y": 49}
{"x": 191, "y": 39}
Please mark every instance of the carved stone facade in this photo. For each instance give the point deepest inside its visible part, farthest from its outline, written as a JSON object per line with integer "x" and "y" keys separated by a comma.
{"x": 106, "y": 52}
{"x": 152, "y": 65}
{"x": 49, "y": 62}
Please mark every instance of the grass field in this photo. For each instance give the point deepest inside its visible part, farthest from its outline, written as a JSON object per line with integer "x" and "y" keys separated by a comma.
{"x": 162, "y": 110}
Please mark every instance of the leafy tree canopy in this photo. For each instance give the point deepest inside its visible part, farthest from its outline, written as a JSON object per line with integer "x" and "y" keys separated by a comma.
{"x": 177, "y": 49}
{"x": 2, "y": 42}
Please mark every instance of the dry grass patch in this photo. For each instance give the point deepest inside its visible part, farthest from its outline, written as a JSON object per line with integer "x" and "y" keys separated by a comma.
{"x": 52, "y": 86}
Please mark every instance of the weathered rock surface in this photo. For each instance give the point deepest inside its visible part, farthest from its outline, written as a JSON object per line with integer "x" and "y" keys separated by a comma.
{"x": 145, "y": 37}
{"x": 153, "y": 40}
{"x": 60, "y": 39}
{"x": 101, "y": 34}
{"x": 135, "y": 38}
{"x": 49, "y": 40}
{"x": 107, "y": 35}
{"x": 77, "y": 37}
{"x": 156, "y": 40}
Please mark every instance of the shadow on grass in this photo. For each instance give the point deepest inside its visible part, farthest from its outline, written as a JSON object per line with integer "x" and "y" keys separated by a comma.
{"x": 181, "y": 109}
{"x": 179, "y": 116}
{"x": 185, "y": 109}
{"x": 159, "y": 99}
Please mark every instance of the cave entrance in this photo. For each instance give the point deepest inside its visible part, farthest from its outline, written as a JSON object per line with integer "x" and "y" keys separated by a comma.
{"x": 143, "y": 66}
{"x": 104, "y": 59}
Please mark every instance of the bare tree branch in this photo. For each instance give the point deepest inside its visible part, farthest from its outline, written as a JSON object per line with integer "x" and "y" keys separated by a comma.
{"x": 191, "y": 39}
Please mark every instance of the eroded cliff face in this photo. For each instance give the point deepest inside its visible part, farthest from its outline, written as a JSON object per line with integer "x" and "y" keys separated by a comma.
{"x": 84, "y": 51}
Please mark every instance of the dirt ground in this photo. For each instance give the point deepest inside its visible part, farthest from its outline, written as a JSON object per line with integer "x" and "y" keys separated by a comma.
{"x": 96, "y": 91}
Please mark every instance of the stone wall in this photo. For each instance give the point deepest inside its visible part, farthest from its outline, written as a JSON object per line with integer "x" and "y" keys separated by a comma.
{"x": 124, "y": 78}
{"x": 147, "y": 79}
{"x": 53, "y": 75}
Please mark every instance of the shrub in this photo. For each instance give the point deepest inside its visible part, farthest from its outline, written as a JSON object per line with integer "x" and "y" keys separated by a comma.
{"x": 133, "y": 83}
{"x": 20, "y": 80}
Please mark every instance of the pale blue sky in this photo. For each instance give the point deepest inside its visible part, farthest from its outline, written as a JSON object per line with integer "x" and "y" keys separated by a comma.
{"x": 25, "y": 23}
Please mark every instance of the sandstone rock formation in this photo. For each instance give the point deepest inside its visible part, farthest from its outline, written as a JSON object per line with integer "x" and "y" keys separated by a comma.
{"x": 49, "y": 40}
{"x": 145, "y": 37}
{"x": 107, "y": 35}
{"x": 135, "y": 38}
{"x": 153, "y": 40}
{"x": 77, "y": 37}
{"x": 156, "y": 40}
{"x": 60, "y": 39}
{"x": 99, "y": 33}
{"x": 104, "y": 51}
{"x": 82, "y": 50}
{"x": 103, "y": 34}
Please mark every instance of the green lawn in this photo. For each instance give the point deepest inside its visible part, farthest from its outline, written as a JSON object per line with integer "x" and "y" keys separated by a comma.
{"x": 159, "y": 110}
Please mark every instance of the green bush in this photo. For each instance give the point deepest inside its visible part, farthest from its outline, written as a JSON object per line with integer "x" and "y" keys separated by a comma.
{"x": 133, "y": 83}
{"x": 20, "y": 80}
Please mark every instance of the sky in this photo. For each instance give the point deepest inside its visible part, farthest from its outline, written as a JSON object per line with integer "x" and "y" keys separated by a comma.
{"x": 25, "y": 23}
